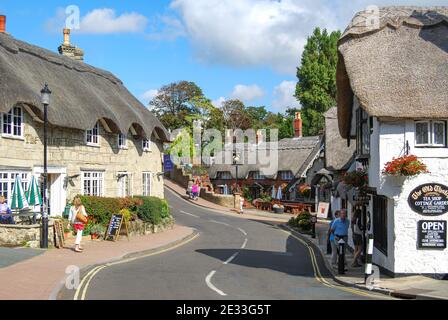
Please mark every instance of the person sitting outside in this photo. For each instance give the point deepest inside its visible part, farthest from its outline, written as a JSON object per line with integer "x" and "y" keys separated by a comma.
{"x": 5, "y": 212}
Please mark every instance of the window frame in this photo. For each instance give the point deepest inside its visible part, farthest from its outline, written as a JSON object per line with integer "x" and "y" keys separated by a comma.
{"x": 146, "y": 145}
{"x": 11, "y": 113}
{"x": 286, "y": 175}
{"x": 380, "y": 223}
{"x": 224, "y": 175}
{"x": 257, "y": 175}
{"x": 10, "y": 179}
{"x": 147, "y": 184}
{"x": 92, "y": 134}
{"x": 100, "y": 186}
{"x": 431, "y": 134}
{"x": 362, "y": 136}
{"x": 122, "y": 141}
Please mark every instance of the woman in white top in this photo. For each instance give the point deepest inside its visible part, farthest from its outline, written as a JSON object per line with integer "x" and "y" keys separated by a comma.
{"x": 77, "y": 224}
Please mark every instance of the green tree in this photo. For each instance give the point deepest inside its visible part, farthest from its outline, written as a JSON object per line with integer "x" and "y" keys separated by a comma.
{"x": 316, "y": 88}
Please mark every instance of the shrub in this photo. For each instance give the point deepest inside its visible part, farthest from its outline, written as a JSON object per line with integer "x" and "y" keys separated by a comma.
{"x": 100, "y": 209}
{"x": 126, "y": 213}
{"x": 131, "y": 204}
{"x": 153, "y": 210}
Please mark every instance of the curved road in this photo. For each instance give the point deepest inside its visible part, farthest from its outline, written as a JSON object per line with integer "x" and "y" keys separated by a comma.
{"x": 232, "y": 258}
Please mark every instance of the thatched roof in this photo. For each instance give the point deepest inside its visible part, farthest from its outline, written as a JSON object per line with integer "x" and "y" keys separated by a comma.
{"x": 398, "y": 70}
{"x": 81, "y": 94}
{"x": 338, "y": 155}
{"x": 293, "y": 155}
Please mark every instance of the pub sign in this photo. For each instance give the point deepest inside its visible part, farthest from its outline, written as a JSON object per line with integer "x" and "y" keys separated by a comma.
{"x": 429, "y": 199}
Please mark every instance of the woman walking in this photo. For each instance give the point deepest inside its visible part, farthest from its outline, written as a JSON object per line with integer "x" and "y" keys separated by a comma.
{"x": 357, "y": 238}
{"x": 78, "y": 218}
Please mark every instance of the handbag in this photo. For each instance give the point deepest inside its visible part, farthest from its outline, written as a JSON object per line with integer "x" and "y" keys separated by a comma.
{"x": 80, "y": 217}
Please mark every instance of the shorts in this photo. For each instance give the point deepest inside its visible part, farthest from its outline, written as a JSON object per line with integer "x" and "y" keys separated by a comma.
{"x": 78, "y": 226}
{"x": 357, "y": 239}
{"x": 195, "y": 194}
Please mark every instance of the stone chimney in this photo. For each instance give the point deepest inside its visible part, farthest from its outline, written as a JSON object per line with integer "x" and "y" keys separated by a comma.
{"x": 2, "y": 24}
{"x": 69, "y": 50}
{"x": 298, "y": 133}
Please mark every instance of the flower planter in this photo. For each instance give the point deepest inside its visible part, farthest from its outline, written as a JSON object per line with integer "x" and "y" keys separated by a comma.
{"x": 94, "y": 236}
{"x": 279, "y": 210}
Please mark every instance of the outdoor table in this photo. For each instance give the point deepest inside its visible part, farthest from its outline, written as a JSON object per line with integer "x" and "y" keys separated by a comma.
{"x": 31, "y": 216}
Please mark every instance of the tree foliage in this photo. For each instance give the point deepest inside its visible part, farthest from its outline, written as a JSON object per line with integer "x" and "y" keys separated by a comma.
{"x": 316, "y": 88}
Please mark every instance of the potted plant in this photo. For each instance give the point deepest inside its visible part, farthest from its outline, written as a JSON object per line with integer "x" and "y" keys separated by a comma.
{"x": 405, "y": 166}
{"x": 67, "y": 232}
{"x": 356, "y": 179}
{"x": 278, "y": 208}
{"x": 97, "y": 231}
{"x": 304, "y": 190}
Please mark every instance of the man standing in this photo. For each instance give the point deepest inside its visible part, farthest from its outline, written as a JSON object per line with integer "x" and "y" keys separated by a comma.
{"x": 340, "y": 228}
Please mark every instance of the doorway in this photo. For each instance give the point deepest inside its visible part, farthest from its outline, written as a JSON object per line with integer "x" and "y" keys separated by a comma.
{"x": 56, "y": 189}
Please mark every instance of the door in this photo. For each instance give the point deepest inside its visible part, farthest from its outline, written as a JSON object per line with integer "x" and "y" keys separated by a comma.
{"x": 56, "y": 196}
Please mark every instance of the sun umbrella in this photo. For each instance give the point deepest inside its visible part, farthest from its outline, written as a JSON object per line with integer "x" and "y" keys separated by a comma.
{"x": 273, "y": 192}
{"x": 18, "y": 200}
{"x": 33, "y": 195}
{"x": 279, "y": 193}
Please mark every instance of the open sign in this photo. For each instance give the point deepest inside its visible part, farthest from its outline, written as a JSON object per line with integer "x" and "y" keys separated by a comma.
{"x": 432, "y": 234}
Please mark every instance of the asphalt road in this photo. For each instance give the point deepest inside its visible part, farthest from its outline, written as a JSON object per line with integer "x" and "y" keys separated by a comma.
{"x": 232, "y": 258}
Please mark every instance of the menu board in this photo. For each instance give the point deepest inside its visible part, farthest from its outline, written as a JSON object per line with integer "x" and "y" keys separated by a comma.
{"x": 432, "y": 234}
{"x": 114, "y": 228}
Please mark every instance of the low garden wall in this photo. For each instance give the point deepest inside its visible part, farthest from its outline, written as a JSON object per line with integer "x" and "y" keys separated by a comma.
{"x": 227, "y": 201}
{"x": 140, "y": 228}
{"x": 24, "y": 235}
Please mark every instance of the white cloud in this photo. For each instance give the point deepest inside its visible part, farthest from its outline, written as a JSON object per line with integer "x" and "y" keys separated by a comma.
{"x": 247, "y": 93}
{"x": 101, "y": 21}
{"x": 284, "y": 96}
{"x": 147, "y": 96}
{"x": 219, "y": 102}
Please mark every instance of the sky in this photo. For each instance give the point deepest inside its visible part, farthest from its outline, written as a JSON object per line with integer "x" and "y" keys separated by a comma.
{"x": 242, "y": 49}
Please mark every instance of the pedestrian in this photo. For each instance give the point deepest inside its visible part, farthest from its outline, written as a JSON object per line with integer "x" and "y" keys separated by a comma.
{"x": 189, "y": 187}
{"x": 357, "y": 238}
{"x": 5, "y": 212}
{"x": 195, "y": 191}
{"x": 330, "y": 238}
{"x": 241, "y": 205}
{"x": 340, "y": 229}
{"x": 78, "y": 218}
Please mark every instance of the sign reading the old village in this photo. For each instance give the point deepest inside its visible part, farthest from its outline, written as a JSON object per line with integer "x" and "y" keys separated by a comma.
{"x": 432, "y": 234}
{"x": 430, "y": 199}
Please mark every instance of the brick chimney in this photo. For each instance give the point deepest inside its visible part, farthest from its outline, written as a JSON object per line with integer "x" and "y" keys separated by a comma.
{"x": 298, "y": 133}
{"x": 69, "y": 50}
{"x": 2, "y": 24}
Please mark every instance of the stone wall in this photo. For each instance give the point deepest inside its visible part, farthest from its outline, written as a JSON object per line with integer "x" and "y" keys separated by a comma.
{"x": 220, "y": 199}
{"x": 178, "y": 176}
{"x": 20, "y": 236}
{"x": 68, "y": 150}
{"x": 142, "y": 228}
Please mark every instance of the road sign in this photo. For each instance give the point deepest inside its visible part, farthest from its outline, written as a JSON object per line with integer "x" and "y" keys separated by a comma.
{"x": 168, "y": 164}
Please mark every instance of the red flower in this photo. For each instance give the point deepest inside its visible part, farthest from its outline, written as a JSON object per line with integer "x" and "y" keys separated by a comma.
{"x": 405, "y": 166}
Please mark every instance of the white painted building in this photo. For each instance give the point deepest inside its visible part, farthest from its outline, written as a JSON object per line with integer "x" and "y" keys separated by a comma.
{"x": 393, "y": 99}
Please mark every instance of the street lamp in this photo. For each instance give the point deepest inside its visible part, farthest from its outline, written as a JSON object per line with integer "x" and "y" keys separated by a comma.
{"x": 45, "y": 100}
{"x": 236, "y": 160}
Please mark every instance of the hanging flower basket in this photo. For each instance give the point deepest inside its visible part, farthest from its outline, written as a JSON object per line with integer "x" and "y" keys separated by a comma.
{"x": 405, "y": 166}
{"x": 304, "y": 190}
{"x": 356, "y": 179}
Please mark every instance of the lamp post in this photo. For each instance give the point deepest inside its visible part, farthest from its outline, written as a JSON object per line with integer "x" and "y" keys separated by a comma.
{"x": 45, "y": 99}
{"x": 236, "y": 160}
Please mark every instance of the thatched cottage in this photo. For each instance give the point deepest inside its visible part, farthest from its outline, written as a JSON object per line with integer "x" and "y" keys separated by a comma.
{"x": 102, "y": 140}
{"x": 393, "y": 99}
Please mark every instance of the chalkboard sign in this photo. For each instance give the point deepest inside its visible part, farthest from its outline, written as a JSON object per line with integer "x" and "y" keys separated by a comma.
{"x": 114, "y": 229}
{"x": 430, "y": 199}
{"x": 432, "y": 234}
{"x": 59, "y": 234}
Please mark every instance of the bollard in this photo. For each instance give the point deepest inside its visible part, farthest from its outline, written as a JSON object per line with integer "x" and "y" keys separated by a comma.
{"x": 368, "y": 271}
{"x": 313, "y": 222}
{"x": 341, "y": 257}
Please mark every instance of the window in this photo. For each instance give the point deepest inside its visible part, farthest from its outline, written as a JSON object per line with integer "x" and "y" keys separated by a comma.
{"x": 7, "y": 180}
{"x": 224, "y": 175}
{"x": 380, "y": 223}
{"x": 362, "y": 133}
{"x": 286, "y": 175}
{"x": 146, "y": 184}
{"x": 92, "y": 136}
{"x": 12, "y": 123}
{"x": 122, "y": 141}
{"x": 124, "y": 185}
{"x": 92, "y": 183}
{"x": 256, "y": 175}
{"x": 146, "y": 145}
{"x": 430, "y": 133}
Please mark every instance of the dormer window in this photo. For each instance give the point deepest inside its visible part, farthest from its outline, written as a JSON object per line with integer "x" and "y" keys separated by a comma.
{"x": 92, "y": 136}
{"x": 430, "y": 133}
{"x": 12, "y": 123}
{"x": 122, "y": 141}
{"x": 146, "y": 145}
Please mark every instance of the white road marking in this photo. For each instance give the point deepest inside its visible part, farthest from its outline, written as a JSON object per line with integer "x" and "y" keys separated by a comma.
{"x": 242, "y": 231}
{"x": 189, "y": 214}
{"x": 210, "y": 284}
{"x": 219, "y": 222}
{"x": 244, "y": 244}
{"x": 231, "y": 258}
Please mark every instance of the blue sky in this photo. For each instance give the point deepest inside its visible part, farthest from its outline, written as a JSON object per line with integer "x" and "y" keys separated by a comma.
{"x": 246, "y": 49}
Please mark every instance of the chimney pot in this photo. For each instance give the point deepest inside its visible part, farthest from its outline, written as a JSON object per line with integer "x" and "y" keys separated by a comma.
{"x": 298, "y": 132}
{"x": 2, "y": 24}
{"x": 66, "y": 37}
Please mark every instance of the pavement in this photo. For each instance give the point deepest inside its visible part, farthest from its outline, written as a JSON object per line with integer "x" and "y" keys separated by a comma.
{"x": 38, "y": 275}
{"x": 232, "y": 258}
{"x": 407, "y": 287}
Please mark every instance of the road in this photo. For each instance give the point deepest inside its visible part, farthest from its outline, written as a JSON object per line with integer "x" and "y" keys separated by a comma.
{"x": 232, "y": 258}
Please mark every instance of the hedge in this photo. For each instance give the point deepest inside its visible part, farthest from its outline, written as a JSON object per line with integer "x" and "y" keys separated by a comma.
{"x": 148, "y": 209}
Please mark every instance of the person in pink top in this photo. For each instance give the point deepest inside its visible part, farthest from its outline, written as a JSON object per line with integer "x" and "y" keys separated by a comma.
{"x": 195, "y": 191}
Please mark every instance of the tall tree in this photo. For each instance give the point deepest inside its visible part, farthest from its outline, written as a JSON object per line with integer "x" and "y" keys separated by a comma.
{"x": 235, "y": 115}
{"x": 316, "y": 88}
{"x": 176, "y": 102}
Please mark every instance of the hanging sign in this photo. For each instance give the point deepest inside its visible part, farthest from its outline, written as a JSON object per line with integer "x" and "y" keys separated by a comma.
{"x": 168, "y": 164}
{"x": 430, "y": 199}
{"x": 432, "y": 234}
